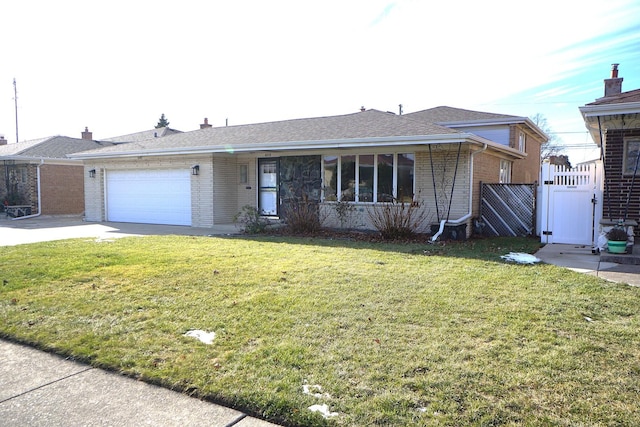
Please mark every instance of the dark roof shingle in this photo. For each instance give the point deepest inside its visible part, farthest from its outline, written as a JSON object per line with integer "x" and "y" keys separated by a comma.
{"x": 444, "y": 114}
{"x": 622, "y": 98}
{"x": 361, "y": 125}
{"x": 53, "y": 147}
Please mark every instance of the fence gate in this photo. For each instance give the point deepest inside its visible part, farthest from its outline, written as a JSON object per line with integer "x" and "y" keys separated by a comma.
{"x": 508, "y": 209}
{"x": 570, "y": 203}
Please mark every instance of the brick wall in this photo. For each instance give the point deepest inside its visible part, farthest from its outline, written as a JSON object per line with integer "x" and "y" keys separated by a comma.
{"x": 444, "y": 162}
{"x": 62, "y": 189}
{"x": 486, "y": 168}
{"x": 617, "y": 184}
{"x": 202, "y": 186}
{"x": 527, "y": 170}
{"x": 225, "y": 196}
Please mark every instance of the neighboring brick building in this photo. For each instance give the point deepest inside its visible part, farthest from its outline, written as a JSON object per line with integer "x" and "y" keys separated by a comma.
{"x": 37, "y": 174}
{"x": 614, "y": 124}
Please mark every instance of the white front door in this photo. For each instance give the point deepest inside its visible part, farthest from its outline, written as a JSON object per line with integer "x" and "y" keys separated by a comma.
{"x": 268, "y": 186}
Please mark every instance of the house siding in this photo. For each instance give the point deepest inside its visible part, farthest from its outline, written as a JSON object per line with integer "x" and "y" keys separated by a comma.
{"x": 527, "y": 170}
{"x": 444, "y": 169}
{"x": 225, "y": 200}
{"x": 201, "y": 185}
{"x": 62, "y": 189}
{"x": 218, "y": 195}
{"x": 486, "y": 168}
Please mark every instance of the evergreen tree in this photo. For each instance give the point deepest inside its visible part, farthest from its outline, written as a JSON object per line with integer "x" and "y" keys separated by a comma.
{"x": 163, "y": 122}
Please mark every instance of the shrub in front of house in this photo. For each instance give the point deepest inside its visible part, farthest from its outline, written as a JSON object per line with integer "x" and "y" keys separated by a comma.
{"x": 397, "y": 220}
{"x": 251, "y": 220}
{"x": 302, "y": 216}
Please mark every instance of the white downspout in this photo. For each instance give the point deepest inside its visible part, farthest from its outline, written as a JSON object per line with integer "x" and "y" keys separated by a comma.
{"x": 39, "y": 196}
{"x": 468, "y": 214}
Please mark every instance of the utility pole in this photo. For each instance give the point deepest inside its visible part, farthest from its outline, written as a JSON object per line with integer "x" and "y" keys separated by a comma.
{"x": 15, "y": 98}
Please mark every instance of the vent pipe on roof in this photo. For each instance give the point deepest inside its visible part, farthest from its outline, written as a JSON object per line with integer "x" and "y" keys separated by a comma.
{"x": 613, "y": 86}
{"x": 362, "y": 109}
{"x": 2, "y": 140}
{"x": 614, "y": 71}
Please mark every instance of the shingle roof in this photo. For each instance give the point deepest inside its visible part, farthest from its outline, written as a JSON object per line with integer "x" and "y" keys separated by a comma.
{"x": 444, "y": 114}
{"x": 361, "y": 125}
{"x": 622, "y": 98}
{"x": 144, "y": 135}
{"x": 53, "y": 147}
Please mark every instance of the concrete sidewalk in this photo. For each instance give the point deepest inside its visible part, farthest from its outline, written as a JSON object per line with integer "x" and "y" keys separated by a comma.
{"x": 42, "y": 389}
{"x": 47, "y": 228}
{"x": 581, "y": 259}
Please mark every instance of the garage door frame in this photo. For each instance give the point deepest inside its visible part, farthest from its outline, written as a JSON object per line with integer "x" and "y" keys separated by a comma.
{"x": 148, "y": 196}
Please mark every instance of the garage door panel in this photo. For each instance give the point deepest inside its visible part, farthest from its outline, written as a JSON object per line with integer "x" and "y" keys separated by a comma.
{"x": 149, "y": 196}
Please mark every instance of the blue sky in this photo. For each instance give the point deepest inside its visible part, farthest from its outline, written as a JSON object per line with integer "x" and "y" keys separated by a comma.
{"x": 116, "y": 66}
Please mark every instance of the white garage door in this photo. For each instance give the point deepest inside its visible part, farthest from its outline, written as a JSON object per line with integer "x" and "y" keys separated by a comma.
{"x": 149, "y": 196}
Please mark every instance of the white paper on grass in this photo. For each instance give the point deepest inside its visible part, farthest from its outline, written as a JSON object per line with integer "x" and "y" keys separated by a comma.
{"x": 324, "y": 410}
{"x": 203, "y": 336}
{"x": 520, "y": 258}
{"x": 314, "y": 390}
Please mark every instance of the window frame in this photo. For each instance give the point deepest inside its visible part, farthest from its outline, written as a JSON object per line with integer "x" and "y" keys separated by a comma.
{"x": 627, "y": 168}
{"x": 522, "y": 142}
{"x": 505, "y": 171}
{"x": 243, "y": 173}
{"x": 375, "y": 184}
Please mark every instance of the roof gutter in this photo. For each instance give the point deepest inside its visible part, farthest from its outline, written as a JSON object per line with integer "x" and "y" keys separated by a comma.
{"x": 396, "y": 141}
{"x": 468, "y": 214}
{"x": 500, "y": 121}
{"x": 592, "y": 114}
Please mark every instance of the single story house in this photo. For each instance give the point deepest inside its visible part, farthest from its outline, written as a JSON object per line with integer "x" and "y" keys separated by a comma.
{"x": 38, "y": 176}
{"x": 435, "y": 158}
{"x": 614, "y": 124}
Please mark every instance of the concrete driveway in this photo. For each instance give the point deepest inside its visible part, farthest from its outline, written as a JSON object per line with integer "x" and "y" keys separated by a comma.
{"x": 46, "y": 228}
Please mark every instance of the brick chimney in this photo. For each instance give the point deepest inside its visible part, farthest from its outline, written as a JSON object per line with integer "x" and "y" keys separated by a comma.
{"x": 205, "y": 124}
{"x": 2, "y": 140}
{"x": 613, "y": 86}
{"x": 87, "y": 135}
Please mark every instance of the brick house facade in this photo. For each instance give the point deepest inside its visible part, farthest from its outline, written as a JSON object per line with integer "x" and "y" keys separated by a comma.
{"x": 228, "y": 166}
{"x": 614, "y": 124}
{"x": 38, "y": 174}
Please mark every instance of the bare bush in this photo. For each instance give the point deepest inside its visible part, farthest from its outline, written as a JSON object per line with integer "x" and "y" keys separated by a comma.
{"x": 302, "y": 215}
{"x": 397, "y": 220}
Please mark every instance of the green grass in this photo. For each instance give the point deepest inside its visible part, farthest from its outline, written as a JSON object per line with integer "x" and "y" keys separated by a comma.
{"x": 395, "y": 334}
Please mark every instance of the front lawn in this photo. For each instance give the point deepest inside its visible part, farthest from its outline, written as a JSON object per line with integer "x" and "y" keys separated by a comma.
{"x": 383, "y": 334}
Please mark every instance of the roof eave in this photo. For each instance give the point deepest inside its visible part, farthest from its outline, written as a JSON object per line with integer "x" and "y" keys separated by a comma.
{"x": 40, "y": 160}
{"x": 591, "y": 113}
{"x": 283, "y": 146}
{"x": 498, "y": 122}
{"x": 395, "y": 141}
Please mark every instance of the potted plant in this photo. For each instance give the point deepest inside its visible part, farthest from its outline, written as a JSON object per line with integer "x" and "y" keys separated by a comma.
{"x": 617, "y": 240}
